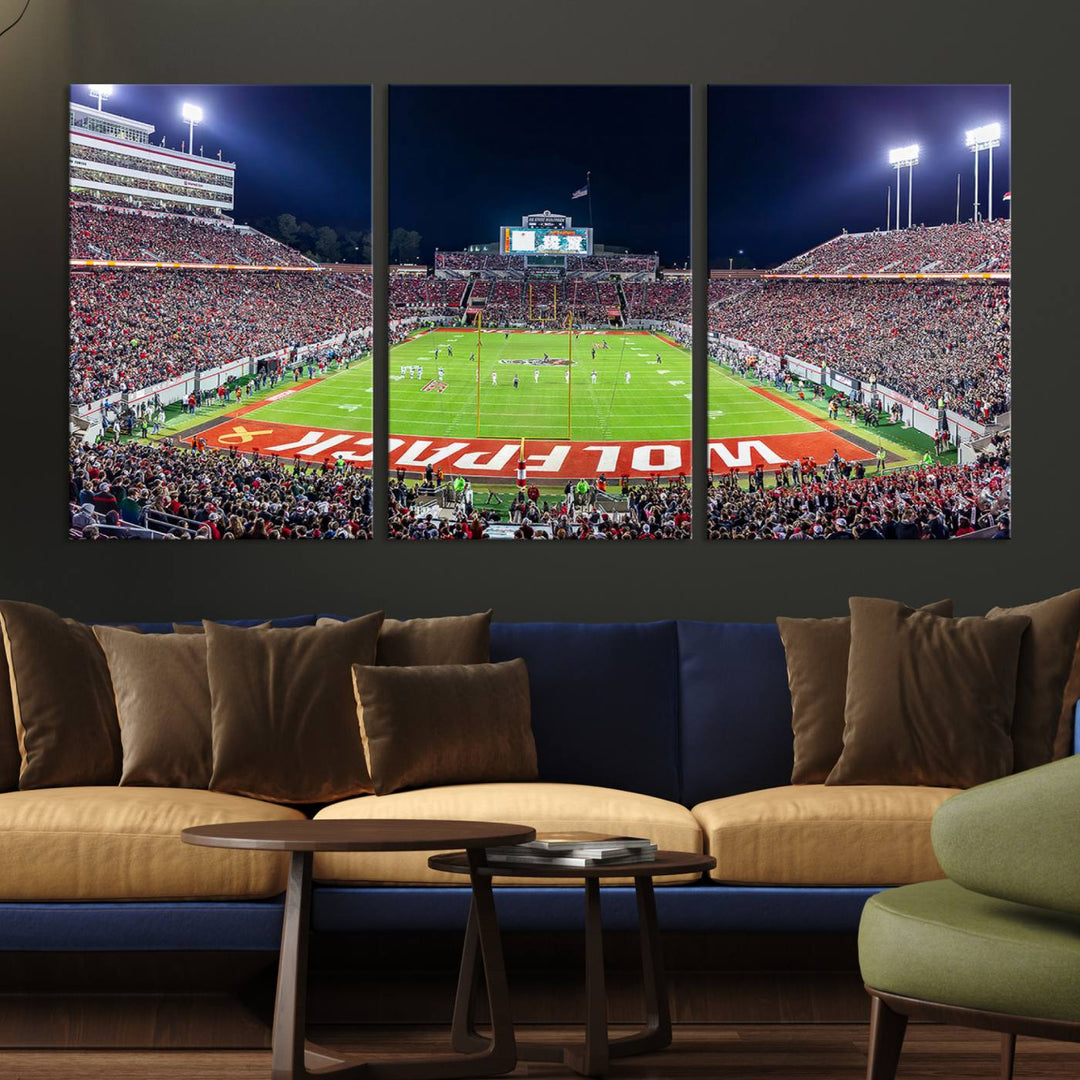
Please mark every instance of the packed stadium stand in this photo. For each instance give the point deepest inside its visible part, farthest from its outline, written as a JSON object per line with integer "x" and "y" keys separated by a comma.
{"x": 135, "y": 328}
{"x": 923, "y": 338}
{"x": 99, "y": 232}
{"x": 967, "y": 247}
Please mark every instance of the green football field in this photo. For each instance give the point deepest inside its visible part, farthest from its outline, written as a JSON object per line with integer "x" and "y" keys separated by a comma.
{"x": 654, "y": 404}
{"x": 736, "y": 412}
{"x": 341, "y": 401}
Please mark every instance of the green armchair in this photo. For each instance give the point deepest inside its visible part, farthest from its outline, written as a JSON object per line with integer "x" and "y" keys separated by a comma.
{"x": 997, "y": 944}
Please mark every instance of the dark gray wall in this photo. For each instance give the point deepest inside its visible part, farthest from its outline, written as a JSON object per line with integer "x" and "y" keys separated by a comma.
{"x": 792, "y": 41}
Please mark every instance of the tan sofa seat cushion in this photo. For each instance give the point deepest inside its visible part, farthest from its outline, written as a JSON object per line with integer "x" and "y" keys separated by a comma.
{"x": 810, "y": 834}
{"x": 123, "y": 843}
{"x": 546, "y": 807}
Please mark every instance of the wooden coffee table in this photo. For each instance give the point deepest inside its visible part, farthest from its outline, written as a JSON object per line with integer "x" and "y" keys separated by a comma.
{"x": 294, "y": 1059}
{"x": 593, "y": 1056}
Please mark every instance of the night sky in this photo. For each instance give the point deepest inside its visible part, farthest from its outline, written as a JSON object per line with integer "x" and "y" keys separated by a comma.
{"x": 791, "y": 166}
{"x": 465, "y": 160}
{"x": 304, "y": 150}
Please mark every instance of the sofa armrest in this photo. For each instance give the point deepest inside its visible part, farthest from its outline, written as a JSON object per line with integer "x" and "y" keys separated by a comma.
{"x": 1017, "y": 838}
{"x": 1076, "y": 729}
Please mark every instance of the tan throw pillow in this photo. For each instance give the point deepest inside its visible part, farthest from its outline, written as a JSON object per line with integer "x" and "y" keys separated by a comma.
{"x": 282, "y": 710}
{"x": 446, "y": 724}
{"x": 163, "y": 703}
{"x": 1046, "y": 657}
{"x": 929, "y": 699}
{"x": 816, "y": 651}
{"x": 197, "y": 628}
{"x": 453, "y": 639}
{"x": 65, "y": 716}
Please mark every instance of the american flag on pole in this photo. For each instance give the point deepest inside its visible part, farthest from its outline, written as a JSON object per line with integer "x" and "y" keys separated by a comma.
{"x": 581, "y": 191}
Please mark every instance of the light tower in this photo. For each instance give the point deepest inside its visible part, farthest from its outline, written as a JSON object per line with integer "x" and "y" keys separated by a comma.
{"x": 904, "y": 157}
{"x": 984, "y": 138}
{"x": 101, "y": 91}
{"x": 193, "y": 114}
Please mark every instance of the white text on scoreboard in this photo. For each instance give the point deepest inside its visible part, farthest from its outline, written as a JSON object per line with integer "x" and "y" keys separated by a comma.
{"x": 518, "y": 240}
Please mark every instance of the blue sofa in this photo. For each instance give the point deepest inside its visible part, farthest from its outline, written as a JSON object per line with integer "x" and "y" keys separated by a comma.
{"x": 681, "y": 711}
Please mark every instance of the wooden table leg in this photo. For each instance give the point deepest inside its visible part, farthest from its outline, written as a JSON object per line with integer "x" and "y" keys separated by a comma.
{"x": 592, "y": 1058}
{"x": 656, "y": 1034}
{"x": 292, "y": 1058}
{"x": 464, "y": 1037}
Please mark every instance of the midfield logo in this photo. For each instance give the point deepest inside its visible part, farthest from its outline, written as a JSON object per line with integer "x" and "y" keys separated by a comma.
{"x": 550, "y": 361}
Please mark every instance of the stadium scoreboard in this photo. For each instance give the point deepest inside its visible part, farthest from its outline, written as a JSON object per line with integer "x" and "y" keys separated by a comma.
{"x": 525, "y": 240}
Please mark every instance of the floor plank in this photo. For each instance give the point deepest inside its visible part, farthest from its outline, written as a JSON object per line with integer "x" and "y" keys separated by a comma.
{"x": 724, "y": 1052}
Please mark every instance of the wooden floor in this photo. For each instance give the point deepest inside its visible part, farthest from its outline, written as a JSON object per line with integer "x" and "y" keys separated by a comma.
{"x": 700, "y": 1052}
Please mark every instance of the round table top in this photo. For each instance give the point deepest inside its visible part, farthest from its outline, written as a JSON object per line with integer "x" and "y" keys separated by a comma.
{"x": 375, "y": 834}
{"x": 666, "y": 862}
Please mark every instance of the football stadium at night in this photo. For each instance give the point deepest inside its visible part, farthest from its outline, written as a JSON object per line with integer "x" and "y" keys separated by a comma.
{"x": 540, "y": 367}
{"x": 213, "y": 368}
{"x": 861, "y": 389}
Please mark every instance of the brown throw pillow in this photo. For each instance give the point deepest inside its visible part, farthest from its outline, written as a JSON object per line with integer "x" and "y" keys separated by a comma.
{"x": 163, "y": 702}
{"x": 65, "y": 716}
{"x": 197, "y": 628}
{"x": 454, "y": 639}
{"x": 817, "y": 662}
{"x": 9, "y": 739}
{"x": 283, "y": 713}
{"x": 1046, "y": 657}
{"x": 446, "y": 724}
{"x": 1066, "y": 729}
{"x": 929, "y": 699}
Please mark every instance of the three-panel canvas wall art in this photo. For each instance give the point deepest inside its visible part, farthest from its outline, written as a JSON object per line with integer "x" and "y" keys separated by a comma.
{"x": 854, "y": 337}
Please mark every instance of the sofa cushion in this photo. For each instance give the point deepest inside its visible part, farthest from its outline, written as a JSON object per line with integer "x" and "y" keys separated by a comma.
{"x": 1046, "y": 658}
{"x": 443, "y": 724}
{"x": 735, "y": 709}
{"x": 929, "y": 699}
{"x": 811, "y": 834}
{"x": 113, "y": 843}
{"x": 604, "y": 701}
{"x": 283, "y": 713}
{"x": 10, "y": 761}
{"x": 62, "y": 695}
{"x": 546, "y": 807}
{"x": 939, "y": 942}
{"x": 163, "y": 704}
{"x": 817, "y": 663}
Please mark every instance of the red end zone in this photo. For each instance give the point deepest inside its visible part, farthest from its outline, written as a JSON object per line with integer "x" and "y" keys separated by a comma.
{"x": 546, "y": 459}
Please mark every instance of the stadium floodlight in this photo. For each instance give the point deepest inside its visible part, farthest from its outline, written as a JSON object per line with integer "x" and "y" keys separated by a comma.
{"x": 193, "y": 114}
{"x": 904, "y": 157}
{"x": 101, "y": 91}
{"x": 985, "y": 138}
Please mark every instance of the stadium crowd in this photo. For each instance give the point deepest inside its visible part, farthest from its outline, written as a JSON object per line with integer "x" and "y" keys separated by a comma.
{"x": 90, "y": 180}
{"x": 434, "y": 296}
{"x": 656, "y": 510}
{"x": 928, "y": 340}
{"x": 137, "y": 328}
{"x": 142, "y": 236}
{"x": 930, "y": 502}
{"x": 120, "y": 489}
{"x": 969, "y": 246}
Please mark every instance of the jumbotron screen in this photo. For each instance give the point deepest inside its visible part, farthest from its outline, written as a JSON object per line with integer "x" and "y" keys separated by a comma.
{"x": 520, "y": 240}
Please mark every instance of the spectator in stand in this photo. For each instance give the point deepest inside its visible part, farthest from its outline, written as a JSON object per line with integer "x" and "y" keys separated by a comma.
{"x": 183, "y": 493}
{"x": 933, "y": 502}
{"x": 928, "y": 340}
{"x": 96, "y": 232}
{"x": 967, "y": 247}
